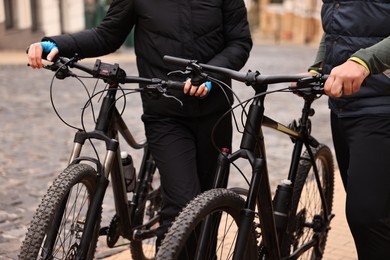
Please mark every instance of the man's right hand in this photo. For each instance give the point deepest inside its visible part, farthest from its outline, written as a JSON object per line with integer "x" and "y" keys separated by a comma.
{"x": 345, "y": 79}
{"x": 35, "y": 52}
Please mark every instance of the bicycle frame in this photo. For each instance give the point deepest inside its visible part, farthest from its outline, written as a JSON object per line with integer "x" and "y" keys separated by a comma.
{"x": 252, "y": 148}
{"x": 134, "y": 218}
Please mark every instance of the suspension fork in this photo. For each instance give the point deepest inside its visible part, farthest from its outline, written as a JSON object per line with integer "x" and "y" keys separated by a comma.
{"x": 96, "y": 203}
{"x": 259, "y": 194}
{"x": 222, "y": 170}
{"x": 253, "y": 148}
{"x": 102, "y": 183}
{"x": 259, "y": 190}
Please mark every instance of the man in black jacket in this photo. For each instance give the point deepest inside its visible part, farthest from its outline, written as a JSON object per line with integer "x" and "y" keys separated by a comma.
{"x": 213, "y": 32}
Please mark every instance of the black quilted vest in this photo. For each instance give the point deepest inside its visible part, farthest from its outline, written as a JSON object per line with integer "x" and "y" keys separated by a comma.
{"x": 351, "y": 25}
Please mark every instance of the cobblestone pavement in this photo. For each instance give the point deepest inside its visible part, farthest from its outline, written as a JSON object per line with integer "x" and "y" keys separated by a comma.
{"x": 35, "y": 144}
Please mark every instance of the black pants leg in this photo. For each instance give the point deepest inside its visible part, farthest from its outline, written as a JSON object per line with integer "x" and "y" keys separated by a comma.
{"x": 363, "y": 153}
{"x": 185, "y": 157}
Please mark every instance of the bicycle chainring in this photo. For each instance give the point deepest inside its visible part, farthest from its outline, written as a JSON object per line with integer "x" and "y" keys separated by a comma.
{"x": 113, "y": 232}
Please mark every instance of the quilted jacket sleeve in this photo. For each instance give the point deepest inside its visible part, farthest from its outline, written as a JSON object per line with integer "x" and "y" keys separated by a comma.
{"x": 238, "y": 41}
{"x": 107, "y": 37}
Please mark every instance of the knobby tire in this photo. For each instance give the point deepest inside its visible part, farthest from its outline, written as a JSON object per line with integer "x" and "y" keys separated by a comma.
{"x": 182, "y": 239}
{"x": 78, "y": 184}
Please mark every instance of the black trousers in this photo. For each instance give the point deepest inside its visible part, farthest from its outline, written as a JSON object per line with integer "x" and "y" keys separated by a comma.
{"x": 362, "y": 147}
{"x": 185, "y": 157}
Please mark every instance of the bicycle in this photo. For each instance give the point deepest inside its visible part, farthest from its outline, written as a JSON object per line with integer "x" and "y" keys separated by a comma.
{"x": 250, "y": 223}
{"x": 66, "y": 224}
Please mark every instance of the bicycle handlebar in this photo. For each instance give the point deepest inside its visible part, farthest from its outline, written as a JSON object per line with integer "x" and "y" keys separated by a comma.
{"x": 250, "y": 78}
{"x": 110, "y": 73}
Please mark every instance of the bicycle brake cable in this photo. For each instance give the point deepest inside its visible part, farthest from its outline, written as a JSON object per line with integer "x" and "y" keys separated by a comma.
{"x": 52, "y": 99}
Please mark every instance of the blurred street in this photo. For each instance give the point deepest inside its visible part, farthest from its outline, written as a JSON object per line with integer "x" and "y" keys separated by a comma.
{"x": 35, "y": 144}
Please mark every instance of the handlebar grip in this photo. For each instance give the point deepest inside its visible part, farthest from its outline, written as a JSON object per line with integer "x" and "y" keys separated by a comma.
{"x": 178, "y": 85}
{"x": 176, "y": 61}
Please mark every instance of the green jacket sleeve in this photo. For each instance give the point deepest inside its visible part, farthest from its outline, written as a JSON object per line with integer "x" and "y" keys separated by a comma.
{"x": 377, "y": 57}
{"x": 319, "y": 56}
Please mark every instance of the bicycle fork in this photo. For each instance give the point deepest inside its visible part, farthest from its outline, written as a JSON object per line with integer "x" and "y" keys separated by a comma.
{"x": 253, "y": 149}
{"x": 103, "y": 172}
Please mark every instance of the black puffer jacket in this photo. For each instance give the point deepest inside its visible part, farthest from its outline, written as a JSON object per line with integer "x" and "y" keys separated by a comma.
{"x": 211, "y": 31}
{"x": 351, "y": 25}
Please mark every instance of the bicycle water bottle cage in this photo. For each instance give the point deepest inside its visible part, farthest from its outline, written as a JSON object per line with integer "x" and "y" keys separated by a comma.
{"x": 108, "y": 72}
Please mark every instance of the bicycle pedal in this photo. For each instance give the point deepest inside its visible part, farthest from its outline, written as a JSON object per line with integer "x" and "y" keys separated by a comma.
{"x": 143, "y": 234}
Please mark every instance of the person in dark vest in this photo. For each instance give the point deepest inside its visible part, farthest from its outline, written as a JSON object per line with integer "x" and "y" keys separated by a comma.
{"x": 212, "y": 32}
{"x": 355, "y": 51}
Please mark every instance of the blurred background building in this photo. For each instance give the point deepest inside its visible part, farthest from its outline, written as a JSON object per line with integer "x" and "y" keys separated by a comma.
{"x": 296, "y": 21}
{"x": 26, "y": 21}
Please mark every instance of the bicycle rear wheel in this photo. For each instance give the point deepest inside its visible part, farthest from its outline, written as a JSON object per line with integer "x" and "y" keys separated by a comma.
{"x": 57, "y": 226}
{"x": 219, "y": 207}
{"x": 307, "y": 220}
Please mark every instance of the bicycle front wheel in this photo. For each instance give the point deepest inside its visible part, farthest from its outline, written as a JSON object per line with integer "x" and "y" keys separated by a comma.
{"x": 217, "y": 213}
{"x": 58, "y": 224}
{"x": 307, "y": 222}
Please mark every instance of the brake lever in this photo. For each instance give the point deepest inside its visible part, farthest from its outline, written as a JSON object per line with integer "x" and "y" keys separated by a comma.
{"x": 163, "y": 92}
{"x": 186, "y": 72}
{"x": 175, "y": 98}
{"x": 193, "y": 71}
{"x": 309, "y": 86}
{"x": 60, "y": 68}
